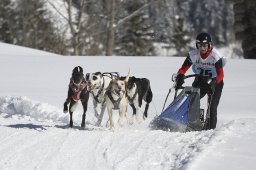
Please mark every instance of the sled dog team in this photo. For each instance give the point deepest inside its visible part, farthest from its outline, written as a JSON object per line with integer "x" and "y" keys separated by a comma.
{"x": 113, "y": 92}
{"x": 108, "y": 90}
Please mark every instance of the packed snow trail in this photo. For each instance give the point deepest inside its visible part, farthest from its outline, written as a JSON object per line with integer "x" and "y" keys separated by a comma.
{"x": 34, "y": 135}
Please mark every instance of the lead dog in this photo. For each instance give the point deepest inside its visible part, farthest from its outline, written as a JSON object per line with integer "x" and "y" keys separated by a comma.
{"x": 116, "y": 99}
{"x": 139, "y": 89}
{"x": 76, "y": 91}
{"x": 97, "y": 85}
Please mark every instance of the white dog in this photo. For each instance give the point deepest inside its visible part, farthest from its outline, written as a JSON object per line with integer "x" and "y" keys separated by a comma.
{"x": 97, "y": 85}
{"x": 116, "y": 99}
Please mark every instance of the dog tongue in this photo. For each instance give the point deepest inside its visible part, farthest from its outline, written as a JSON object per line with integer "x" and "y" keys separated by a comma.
{"x": 117, "y": 92}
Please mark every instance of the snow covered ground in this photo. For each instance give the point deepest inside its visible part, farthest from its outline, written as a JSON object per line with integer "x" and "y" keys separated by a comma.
{"x": 34, "y": 133}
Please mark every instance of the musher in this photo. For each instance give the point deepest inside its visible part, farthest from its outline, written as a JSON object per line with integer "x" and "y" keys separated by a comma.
{"x": 207, "y": 63}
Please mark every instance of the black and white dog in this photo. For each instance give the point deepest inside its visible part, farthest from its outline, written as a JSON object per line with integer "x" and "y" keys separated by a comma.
{"x": 77, "y": 90}
{"x": 97, "y": 85}
{"x": 139, "y": 89}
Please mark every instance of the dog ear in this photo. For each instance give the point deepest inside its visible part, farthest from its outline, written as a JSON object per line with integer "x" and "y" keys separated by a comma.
{"x": 132, "y": 79}
{"x": 113, "y": 81}
{"x": 127, "y": 77}
{"x": 80, "y": 69}
{"x": 126, "y": 85}
{"x": 74, "y": 70}
{"x": 97, "y": 73}
{"x": 77, "y": 69}
{"x": 87, "y": 76}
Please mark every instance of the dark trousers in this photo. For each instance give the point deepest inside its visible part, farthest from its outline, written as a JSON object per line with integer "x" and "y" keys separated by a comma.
{"x": 214, "y": 96}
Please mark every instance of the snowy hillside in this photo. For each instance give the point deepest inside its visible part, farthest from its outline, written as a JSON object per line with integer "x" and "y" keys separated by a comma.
{"x": 34, "y": 133}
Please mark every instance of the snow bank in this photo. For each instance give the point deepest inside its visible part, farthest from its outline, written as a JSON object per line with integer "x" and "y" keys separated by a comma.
{"x": 24, "y": 107}
{"x": 10, "y": 50}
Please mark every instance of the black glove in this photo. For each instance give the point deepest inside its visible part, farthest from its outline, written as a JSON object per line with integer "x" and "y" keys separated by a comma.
{"x": 179, "y": 81}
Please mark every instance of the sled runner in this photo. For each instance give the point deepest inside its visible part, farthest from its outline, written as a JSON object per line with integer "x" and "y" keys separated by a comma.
{"x": 184, "y": 113}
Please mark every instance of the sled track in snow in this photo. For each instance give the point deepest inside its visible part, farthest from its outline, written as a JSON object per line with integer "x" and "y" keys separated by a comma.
{"x": 193, "y": 145}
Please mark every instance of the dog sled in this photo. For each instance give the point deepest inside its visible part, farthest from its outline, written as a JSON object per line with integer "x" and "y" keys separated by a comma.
{"x": 184, "y": 113}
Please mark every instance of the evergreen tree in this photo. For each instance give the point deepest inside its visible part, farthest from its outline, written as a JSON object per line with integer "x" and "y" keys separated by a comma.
{"x": 34, "y": 29}
{"x": 181, "y": 38}
{"x": 28, "y": 25}
{"x": 210, "y": 16}
{"x": 6, "y": 15}
{"x": 93, "y": 35}
{"x": 135, "y": 36}
{"x": 162, "y": 15}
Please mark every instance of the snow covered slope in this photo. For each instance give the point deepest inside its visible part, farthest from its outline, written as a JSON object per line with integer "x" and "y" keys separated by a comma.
{"x": 34, "y": 133}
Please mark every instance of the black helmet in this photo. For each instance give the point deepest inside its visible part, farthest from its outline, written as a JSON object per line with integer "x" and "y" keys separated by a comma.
{"x": 203, "y": 38}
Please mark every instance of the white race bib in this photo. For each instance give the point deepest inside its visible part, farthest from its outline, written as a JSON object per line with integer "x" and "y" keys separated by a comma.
{"x": 205, "y": 67}
{"x": 209, "y": 72}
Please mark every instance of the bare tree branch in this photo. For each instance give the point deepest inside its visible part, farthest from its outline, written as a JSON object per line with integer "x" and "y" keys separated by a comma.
{"x": 133, "y": 14}
{"x": 130, "y": 16}
{"x": 111, "y": 6}
{"x": 57, "y": 10}
{"x": 70, "y": 21}
{"x": 80, "y": 14}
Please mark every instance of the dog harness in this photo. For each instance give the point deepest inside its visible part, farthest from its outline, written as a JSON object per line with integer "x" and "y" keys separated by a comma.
{"x": 114, "y": 102}
{"x": 110, "y": 75}
{"x": 77, "y": 89}
{"x": 96, "y": 98}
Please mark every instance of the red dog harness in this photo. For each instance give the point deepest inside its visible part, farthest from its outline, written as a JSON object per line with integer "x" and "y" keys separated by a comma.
{"x": 77, "y": 89}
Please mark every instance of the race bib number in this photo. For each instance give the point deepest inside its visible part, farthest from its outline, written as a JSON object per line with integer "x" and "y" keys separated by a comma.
{"x": 208, "y": 72}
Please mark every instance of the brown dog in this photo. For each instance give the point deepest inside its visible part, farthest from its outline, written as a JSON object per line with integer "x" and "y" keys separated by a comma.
{"x": 116, "y": 99}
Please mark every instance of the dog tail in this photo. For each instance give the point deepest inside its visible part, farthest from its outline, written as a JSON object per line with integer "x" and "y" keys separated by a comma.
{"x": 128, "y": 75}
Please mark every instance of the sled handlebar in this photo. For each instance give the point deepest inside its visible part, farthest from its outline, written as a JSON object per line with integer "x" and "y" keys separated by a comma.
{"x": 191, "y": 75}
{"x": 173, "y": 87}
{"x": 188, "y": 76}
{"x": 185, "y": 77}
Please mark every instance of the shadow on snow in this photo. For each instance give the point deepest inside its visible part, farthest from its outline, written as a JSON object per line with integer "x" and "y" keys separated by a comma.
{"x": 28, "y": 126}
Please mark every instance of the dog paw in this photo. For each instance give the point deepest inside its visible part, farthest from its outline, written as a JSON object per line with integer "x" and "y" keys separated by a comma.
{"x": 138, "y": 119}
{"x": 144, "y": 117}
{"x": 98, "y": 123}
{"x": 108, "y": 124}
{"x": 83, "y": 125}
{"x": 121, "y": 122}
{"x": 96, "y": 115}
{"x": 131, "y": 121}
{"x": 65, "y": 109}
{"x": 112, "y": 128}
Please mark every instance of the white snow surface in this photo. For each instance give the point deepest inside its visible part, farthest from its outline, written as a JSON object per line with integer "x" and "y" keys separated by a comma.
{"x": 34, "y": 132}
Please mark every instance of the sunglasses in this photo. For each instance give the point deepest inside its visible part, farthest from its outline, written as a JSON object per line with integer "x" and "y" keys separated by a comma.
{"x": 202, "y": 45}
